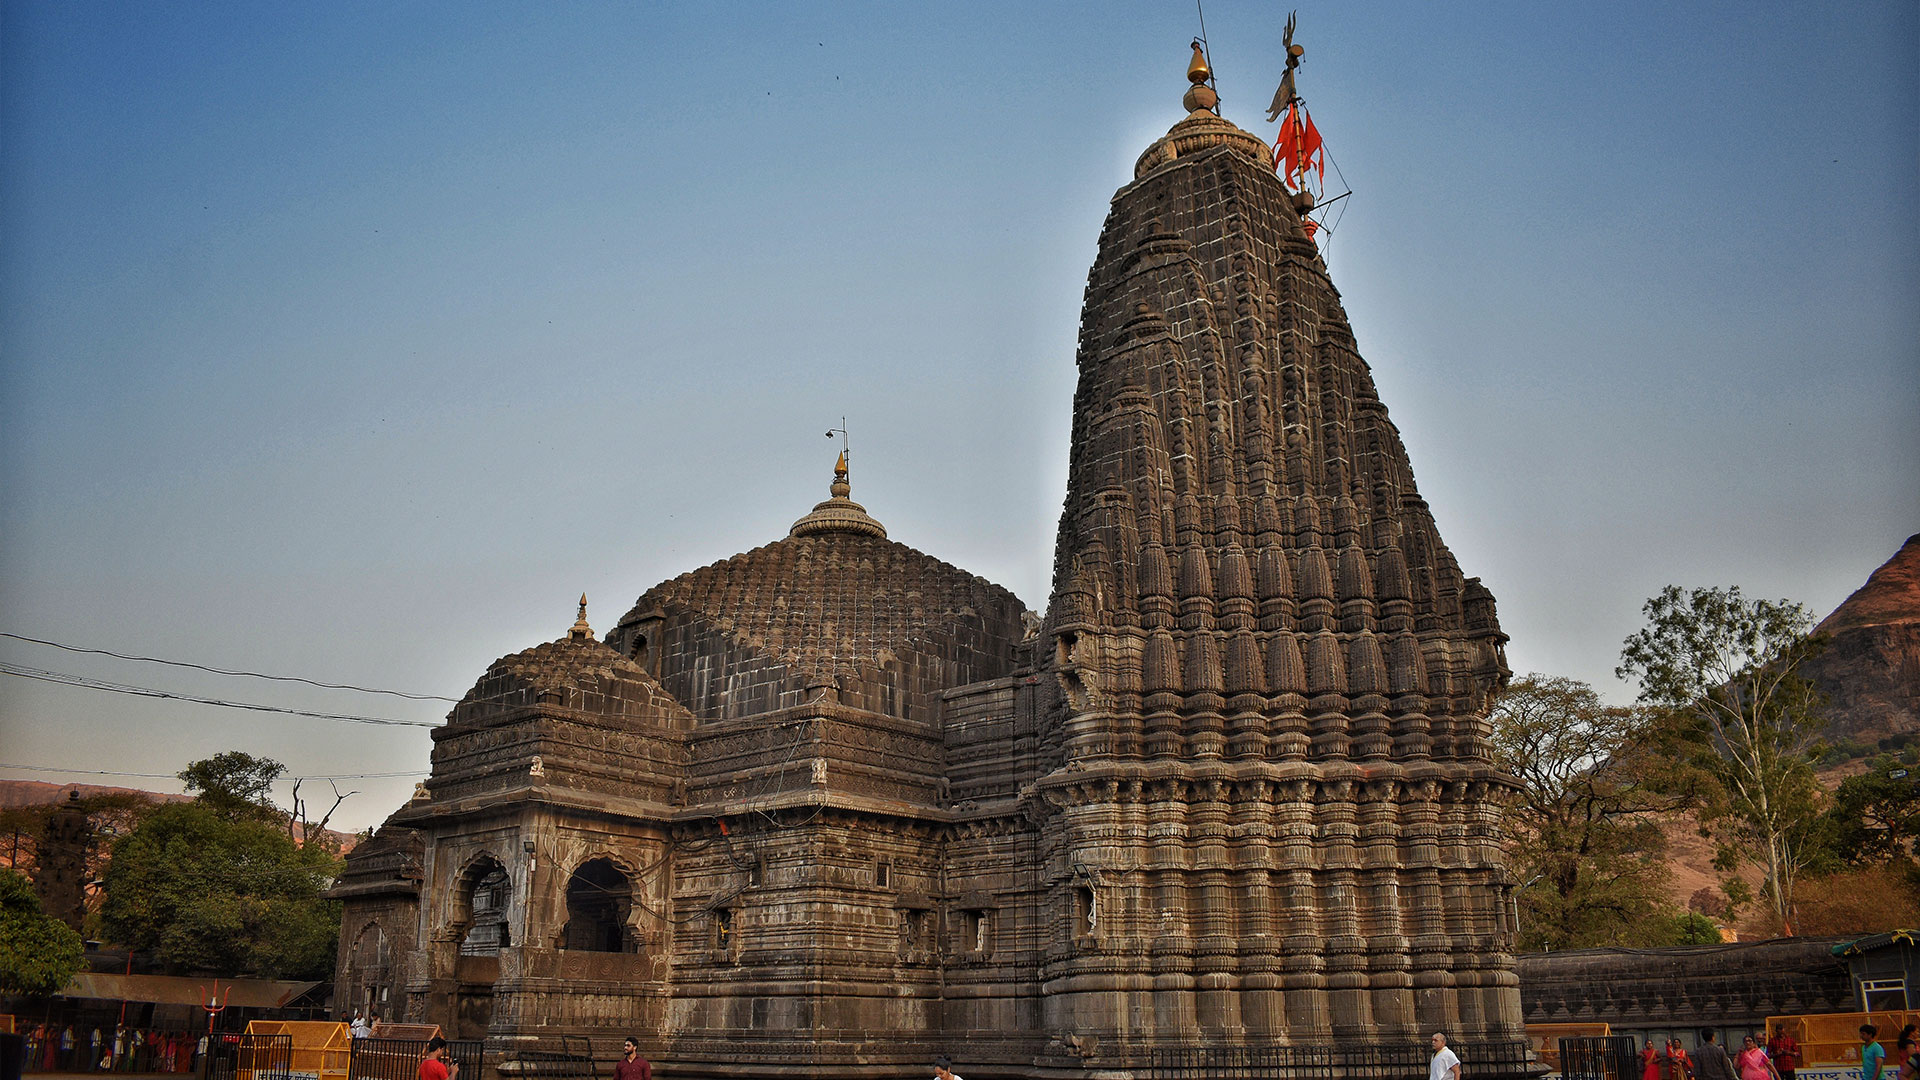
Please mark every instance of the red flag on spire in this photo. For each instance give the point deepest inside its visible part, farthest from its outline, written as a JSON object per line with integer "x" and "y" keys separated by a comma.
{"x": 1310, "y": 151}
{"x": 1298, "y": 147}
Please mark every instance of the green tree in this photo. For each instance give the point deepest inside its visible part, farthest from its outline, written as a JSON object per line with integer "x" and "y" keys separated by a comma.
{"x": 1875, "y": 817}
{"x": 204, "y": 891}
{"x": 1581, "y": 830}
{"x": 38, "y": 953}
{"x": 1694, "y": 928}
{"x": 236, "y": 784}
{"x": 1725, "y": 671}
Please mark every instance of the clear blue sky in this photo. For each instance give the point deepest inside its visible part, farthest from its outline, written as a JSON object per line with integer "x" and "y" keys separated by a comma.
{"x": 354, "y": 341}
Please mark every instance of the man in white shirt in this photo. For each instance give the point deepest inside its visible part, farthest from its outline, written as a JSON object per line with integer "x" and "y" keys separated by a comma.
{"x": 1446, "y": 1066}
{"x": 359, "y": 1029}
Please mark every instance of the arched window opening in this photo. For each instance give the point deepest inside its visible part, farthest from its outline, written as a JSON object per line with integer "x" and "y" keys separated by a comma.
{"x": 599, "y": 899}
{"x": 370, "y": 948}
{"x": 486, "y": 903}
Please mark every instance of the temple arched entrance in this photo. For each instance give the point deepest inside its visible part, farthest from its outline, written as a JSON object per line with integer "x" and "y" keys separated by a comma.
{"x": 599, "y": 902}
{"x": 481, "y": 899}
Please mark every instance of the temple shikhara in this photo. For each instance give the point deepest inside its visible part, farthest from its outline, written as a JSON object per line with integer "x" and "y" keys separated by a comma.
{"x": 833, "y": 806}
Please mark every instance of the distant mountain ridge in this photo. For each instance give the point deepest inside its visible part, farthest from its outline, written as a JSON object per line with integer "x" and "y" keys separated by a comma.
{"x": 1870, "y": 669}
{"x": 41, "y": 793}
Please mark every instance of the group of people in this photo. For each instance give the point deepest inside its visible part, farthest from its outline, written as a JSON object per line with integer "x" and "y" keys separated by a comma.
{"x": 1877, "y": 1064}
{"x": 65, "y": 1048}
{"x": 1777, "y": 1058}
{"x": 362, "y": 1025}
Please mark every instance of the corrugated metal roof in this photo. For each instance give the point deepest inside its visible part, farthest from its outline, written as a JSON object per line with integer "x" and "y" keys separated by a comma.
{"x": 186, "y": 990}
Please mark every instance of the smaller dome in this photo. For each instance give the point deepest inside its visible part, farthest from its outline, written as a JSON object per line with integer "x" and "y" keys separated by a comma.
{"x": 574, "y": 672}
{"x": 839, "y": 514}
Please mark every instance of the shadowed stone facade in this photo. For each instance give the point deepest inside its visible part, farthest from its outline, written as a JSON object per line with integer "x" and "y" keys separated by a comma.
{"x": 832, "y": 806}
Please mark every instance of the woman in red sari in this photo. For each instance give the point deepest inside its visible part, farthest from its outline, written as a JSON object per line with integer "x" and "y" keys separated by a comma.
{"x": 1649, "y": 1062}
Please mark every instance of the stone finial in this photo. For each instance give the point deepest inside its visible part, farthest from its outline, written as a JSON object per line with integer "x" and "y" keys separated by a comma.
{"x": 580, "y": 630}
{"x": 1199, "y": 97}
{"x": 839, "y": 513}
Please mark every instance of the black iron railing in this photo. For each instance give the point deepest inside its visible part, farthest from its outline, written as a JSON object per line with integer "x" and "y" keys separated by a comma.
{"x": 399, "y": 1059}
{"x": 554, "y": 1057}
{"x": 249, "y": 1057}
{"x": 1398, "y": 1061}
{"x": 1599, "y": 1057}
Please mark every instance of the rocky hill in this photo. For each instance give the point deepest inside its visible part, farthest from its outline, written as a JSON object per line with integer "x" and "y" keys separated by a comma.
{"x": 1870, "y": 670}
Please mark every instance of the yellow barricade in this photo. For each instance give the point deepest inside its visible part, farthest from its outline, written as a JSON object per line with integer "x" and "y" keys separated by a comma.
{"x": 1546, "y": 1039}
{"x": 1834, "y": 1038}
{"x": 322, "y": 1049}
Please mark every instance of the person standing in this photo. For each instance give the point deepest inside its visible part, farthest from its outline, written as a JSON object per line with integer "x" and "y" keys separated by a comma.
{"x": 1649, "y": 1062}
{"x": 1679, "y": 1065}
{"x": 66, "y": 1048}
{"x": 943, "y": 1069}
{"x": 435, "y": 1065}
{"x": 631, "y": 1065}
{"x": 1711, "y": 1062}
{"x": 359, "y": 1028}
{"x": 1446, "y": 1063}
{"x": 94, "y": 1051}
{"x": 1873, "y": 1056}
{"x": 1785, "y": 1050}
{"x": 1753, "y": 1062}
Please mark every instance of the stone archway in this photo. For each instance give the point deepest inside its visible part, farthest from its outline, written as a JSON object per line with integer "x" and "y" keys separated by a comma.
{"x": 478, "y": 923}
{"x": 599, "y": 905}
{"x": 369, "y": 971}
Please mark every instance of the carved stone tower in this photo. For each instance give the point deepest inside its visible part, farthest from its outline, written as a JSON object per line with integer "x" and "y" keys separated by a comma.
{"x": 832, "y": 806}
{"x": 1274, "y": 821}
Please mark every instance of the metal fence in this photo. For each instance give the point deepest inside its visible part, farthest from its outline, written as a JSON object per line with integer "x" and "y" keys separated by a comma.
{"x": 249, "y": 1057}
{"x": 1599, "y": 1057}
{"x": 1400, "y": 1061}
{"x": 556, "y": 1057}
{"x": 399, "y": 1059}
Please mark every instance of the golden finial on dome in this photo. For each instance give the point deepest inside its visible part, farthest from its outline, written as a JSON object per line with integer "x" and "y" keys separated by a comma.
{"x": 1200, "y": 96}
{"x": 581, "y": 631}
{"x": 839, "y": 514}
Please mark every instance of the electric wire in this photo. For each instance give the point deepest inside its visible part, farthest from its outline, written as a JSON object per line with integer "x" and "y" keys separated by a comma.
{"x": 62, "y": 678}
{"x": 176, "y": 776}
{"x": 226, "y": 671}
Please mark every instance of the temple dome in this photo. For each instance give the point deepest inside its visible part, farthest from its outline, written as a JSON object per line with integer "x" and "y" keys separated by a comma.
{"x": 833, "y": 609}
{"x": 573, "y": 672}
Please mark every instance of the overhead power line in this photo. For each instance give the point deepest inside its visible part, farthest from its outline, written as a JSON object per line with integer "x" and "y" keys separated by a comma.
{"x": 63, "y": 678}
{"x": 176, "y": 776}
{"x": 226, "y": 671}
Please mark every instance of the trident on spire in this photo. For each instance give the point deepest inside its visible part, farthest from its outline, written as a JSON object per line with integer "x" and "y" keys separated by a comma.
{"x": 1285, "y": 96}
{"x": 1298, "y": 155}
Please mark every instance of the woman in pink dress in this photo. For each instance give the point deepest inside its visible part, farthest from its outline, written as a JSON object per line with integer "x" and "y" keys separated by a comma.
{"x": 1753, "y": 1062}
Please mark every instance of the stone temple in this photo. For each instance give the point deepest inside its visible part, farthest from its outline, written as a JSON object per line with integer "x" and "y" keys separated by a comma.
{"x": 832, "y": 807}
